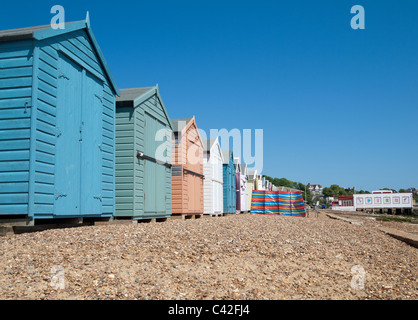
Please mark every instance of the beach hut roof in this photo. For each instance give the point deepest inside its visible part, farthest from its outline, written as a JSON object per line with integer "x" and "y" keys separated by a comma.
{"x": 208, "y": 143}
{"x": 237, "y": 164}
{"x": 226, "y": 155}
{"x": 135, "y": 96}
{"x": 180, "y": 124}
{"x": 46, "y": 31}
{"x": 252, "y": 175}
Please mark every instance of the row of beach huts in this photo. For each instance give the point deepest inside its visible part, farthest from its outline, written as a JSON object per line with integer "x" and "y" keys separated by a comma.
{"x": 72, "y": 145}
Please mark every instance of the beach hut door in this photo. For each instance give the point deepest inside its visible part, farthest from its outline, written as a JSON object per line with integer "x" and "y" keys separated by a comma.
{"x": 68, "y": 135}
{"x": 78, "y": 155}
{"x": 154, "y": 186}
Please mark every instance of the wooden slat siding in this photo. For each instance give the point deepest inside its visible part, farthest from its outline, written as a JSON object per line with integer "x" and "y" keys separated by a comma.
{"x": 139, "y": 167}
{"x": 7, "y": 73}
{"x": 180, "y": 154}
{"x": 178, "y": 204}
{"x": 195, "y": 164}
{"x": 108, "y": 163}
{"x": 45, "y": 134}
{"x": 16, "y": 61}
{"x": 178, "y": 195}
{"x": 69, "y": 41}
{"x": 124, "y": 162}
{"x": 15, "y": 82}
{"x": 168, "y": 172}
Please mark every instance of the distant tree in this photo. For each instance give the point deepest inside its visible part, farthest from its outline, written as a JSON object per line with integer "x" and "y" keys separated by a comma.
{"x": 336, "y": 191}
{"x": 402, "y": 191}
{"x": 283, "y": 182}
{"x": 327, "y": 192}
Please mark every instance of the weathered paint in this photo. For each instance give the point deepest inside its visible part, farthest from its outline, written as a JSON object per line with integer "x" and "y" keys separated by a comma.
{"x": 213, "y": 182}
{"x": 143, "y": 185}
{"x": 57, "y": 105}
{"x": 187, "y": 171}
{"x": 230, "y": 193}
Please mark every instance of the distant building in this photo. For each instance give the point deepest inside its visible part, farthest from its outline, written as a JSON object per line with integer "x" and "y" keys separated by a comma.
{"x": 315, "y": 189}
{"x": 383, "y": 199}
{"x": 344, "y": 203}
{"x": 350, "y": 190}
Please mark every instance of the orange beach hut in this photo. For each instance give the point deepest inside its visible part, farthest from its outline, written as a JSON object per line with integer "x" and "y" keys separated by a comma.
{"x": 187, "y": 170}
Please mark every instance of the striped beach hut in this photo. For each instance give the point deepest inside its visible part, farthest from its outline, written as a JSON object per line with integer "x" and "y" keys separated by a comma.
{"x": 229, "y": 190}
{"x": 57, "y": 117}
{"x": 187, "y": 170}
{"x": 143, "y": 155}
{"x": 213, "y": 182}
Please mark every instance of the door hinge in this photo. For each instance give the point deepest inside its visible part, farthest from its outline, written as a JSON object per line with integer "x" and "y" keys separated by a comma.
{"x": 81, "y": 131}
{"x": 59, "y": 195}
{"x": 99, "y": 97}
{"x": 61, "y": 75}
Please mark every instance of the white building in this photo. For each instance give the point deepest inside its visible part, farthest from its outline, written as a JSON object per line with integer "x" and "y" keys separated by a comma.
{"x": 383, "y": 199}
{"x": 315, "y": 189}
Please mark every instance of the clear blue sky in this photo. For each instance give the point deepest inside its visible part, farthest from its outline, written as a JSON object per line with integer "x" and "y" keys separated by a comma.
{"x": 337, "y": 105}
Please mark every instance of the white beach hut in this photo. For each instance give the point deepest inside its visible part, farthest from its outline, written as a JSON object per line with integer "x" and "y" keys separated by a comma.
{"x": 213, "y": 182}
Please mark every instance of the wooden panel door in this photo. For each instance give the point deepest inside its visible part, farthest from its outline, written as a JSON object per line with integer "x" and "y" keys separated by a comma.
{"x": 91, "y": 146}
{"x": 160, "y": 170}
{"x": 150, "y": 185}
{"x": 190, "y": 193}
{"x": 155, "y": 172}
{"x": 68, "y": 133}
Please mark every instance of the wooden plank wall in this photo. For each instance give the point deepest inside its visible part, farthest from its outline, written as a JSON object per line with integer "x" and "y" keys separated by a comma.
{"x": 16, "y": 70}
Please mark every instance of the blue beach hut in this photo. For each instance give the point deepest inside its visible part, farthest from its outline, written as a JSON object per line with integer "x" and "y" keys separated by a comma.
{"x": 57, "y": 125}
{"x": 229, "y": 194}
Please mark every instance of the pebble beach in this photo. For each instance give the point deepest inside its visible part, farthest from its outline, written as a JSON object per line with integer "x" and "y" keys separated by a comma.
{"x": 234, "y": 257}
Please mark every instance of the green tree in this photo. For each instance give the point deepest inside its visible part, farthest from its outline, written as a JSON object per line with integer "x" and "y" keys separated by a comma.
{"x": 283, "y": 182}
